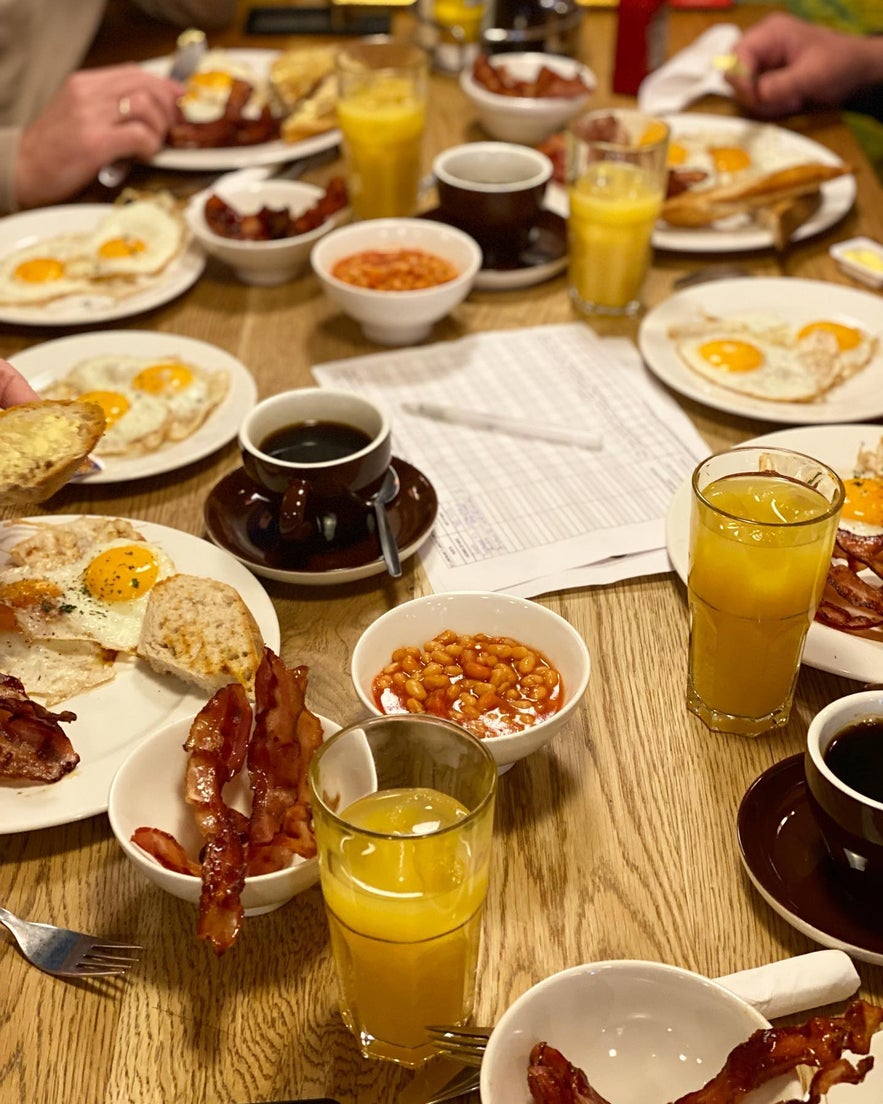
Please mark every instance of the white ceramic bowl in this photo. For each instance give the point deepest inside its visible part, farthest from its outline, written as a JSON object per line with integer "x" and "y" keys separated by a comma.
{"x": 642, "y": 1032}
{"x": 527, "y": 119}
{"x": 265, "y": 263}
{"x": 397, "y": 317}
{"x": 148, "y": 791}
{"x": 420, "y": 620}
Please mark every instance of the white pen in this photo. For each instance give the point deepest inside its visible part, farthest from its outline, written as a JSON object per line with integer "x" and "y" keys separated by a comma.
{"x": 515, "y": 427}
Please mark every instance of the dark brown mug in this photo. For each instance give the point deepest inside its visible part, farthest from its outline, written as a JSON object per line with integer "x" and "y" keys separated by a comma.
{"x": 320, "y": 456}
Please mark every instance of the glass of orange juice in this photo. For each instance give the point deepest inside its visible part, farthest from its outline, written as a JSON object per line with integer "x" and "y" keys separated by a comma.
{"x": 762, "y": 528}
{"x": 404, "y": 872}
{"x": 381, "y": 112}
{"x": 616, "y": 183}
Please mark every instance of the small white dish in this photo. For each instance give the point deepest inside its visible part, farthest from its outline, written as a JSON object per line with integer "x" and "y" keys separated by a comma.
{"x": 861, "y": 258}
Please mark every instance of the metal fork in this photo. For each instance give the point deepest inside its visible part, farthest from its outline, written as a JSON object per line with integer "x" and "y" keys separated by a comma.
{"x": 465, "y": 1044}
{"x": 69, "y": 954}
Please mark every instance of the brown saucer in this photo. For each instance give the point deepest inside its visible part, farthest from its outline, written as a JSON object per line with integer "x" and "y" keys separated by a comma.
{"x": 238, "y": 518}
{"x": 788, "y": 863}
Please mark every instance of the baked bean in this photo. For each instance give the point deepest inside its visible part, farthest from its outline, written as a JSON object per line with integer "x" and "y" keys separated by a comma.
{"x": 394, "y": 269}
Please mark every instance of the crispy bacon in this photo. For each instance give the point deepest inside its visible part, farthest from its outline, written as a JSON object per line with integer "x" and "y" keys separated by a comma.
{"x": 866, "y": 550}
{"x": 233, "y": 128}
{"x": 846, "y": 619}
{"x": 166, "y": 850}
{"x": 546, "y": 84}
{"x": 271, "y": 223}
{"x": 33, "y": 746}
{"x": 857, "y": 591}
{"x": 553, "y": 1080}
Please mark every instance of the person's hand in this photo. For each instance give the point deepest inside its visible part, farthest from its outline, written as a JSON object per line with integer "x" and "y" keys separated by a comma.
{"x": 14, "y": 388}
{"x": 98, "y": 116}
{"x": 787, "y": 65}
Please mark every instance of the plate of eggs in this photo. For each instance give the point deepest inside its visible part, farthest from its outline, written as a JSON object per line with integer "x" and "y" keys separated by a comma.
{"x": 852, "y": 655}
{"x": 94, "y": 262}
{"x": 727, "y": 150}
{"x": 786, "y": 350}
{"x": 168, "y": 400}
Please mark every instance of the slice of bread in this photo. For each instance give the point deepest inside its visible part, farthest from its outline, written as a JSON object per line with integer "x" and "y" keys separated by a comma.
{"x": 42, "y": 444}
{"x": 201, "y": 631}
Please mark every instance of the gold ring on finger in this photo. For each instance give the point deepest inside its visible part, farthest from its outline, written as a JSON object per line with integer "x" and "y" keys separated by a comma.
{"x": 124, "y": 107}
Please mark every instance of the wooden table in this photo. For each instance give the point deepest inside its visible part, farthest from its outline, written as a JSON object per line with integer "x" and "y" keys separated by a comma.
{"x": 617, "y": 841}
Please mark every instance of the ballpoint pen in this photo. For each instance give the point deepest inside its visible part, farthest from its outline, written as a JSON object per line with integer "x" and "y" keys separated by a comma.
{"x": 515, "y": 427}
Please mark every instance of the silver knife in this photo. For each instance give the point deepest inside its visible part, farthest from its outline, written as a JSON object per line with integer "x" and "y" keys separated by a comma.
{"x": 189, "y": 49}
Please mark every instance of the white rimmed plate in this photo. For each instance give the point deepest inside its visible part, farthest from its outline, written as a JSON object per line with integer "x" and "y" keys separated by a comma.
{"x": 42, "y": 364}
{"x": 853, "y": 656}
{"x": 113, "y": 717}
{"x": 784, "y": 299}
{"x": 276, "y": 152}
{"x": 88, "y": 308}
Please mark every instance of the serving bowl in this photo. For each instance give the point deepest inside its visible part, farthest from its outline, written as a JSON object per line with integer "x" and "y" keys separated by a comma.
{"x": 642, "y": 1032}
{"x": 527, "y": 119}
{"x": 148, "y": 791}
{"x": 397, "y": 317}
{"x": 420, "y": 620}
{"x": 265, "y": 263}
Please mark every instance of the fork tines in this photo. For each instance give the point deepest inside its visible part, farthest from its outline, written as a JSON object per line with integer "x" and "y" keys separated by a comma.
{"x": 108, "y": 959}
{"x": 467, "y": 1044}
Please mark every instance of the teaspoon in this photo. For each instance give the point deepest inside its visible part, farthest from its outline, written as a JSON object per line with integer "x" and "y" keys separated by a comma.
{"x": 389, "y": 488}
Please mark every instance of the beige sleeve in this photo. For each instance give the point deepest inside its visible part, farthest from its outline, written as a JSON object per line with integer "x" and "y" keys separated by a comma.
{"x": 9, "y": 138}
{"x": 196, "y": 13}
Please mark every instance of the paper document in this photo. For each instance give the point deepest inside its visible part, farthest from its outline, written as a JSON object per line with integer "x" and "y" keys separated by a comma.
{"x": 521, "y": 513}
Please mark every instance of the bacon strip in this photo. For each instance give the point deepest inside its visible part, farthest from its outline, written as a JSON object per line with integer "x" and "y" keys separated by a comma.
{"x": 33, "y": 746}
{"x": 867, "y": 550}
{"x": 553, "y": 1080}
{"x": 166, "y": 850}
{"x": 233, "y": 128}
{"x": 854, "y": 589}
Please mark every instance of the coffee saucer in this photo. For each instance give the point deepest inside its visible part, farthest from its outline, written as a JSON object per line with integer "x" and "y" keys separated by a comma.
{"x": 787, "y": 861}
{"x": 237, "y": 512}
{"x": 544, "y": 256}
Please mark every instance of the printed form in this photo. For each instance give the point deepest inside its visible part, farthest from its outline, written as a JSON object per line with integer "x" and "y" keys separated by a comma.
{"x": 529, "y": 516}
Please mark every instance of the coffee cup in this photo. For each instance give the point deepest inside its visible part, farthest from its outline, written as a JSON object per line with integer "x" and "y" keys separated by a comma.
{"x": 319, "y": 455}
{"x": 844, "y": 778}
{"x": 494, "y": 192}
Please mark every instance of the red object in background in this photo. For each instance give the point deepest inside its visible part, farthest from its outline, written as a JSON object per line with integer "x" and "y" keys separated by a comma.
{"x": 640, "y": 43}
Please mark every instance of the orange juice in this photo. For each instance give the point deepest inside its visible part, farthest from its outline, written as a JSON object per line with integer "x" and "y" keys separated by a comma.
{"x": 404, "y": 903}
{"x": 760, "y": 548}
{"x": 613, "y": 208}
{"x": 382, "y": 123}
{"x": 463, "y": 15}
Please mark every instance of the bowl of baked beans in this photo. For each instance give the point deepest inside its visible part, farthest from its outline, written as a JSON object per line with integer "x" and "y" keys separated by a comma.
{"x": 396, "y": 277}
{"x": 510, "y": 670}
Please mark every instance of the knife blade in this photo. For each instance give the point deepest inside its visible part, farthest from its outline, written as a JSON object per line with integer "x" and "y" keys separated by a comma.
{"x": 189, "y": 49}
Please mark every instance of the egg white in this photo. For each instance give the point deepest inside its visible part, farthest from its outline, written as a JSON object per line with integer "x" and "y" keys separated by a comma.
{"x": 135, "y": 239}
{"x": 208, "y": 89}
{"x": 45, "y": 270}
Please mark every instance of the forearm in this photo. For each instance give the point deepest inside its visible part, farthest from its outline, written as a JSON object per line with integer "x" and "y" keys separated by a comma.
{"x": 9, "y": 143}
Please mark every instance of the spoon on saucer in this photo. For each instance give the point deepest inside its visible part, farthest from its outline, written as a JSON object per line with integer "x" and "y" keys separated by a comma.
{"x": 389, "y": 488}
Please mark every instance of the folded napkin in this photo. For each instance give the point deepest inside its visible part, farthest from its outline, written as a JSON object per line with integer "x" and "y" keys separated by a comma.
{"x": 795, "y": 984}
{"x": 690, "y": 74}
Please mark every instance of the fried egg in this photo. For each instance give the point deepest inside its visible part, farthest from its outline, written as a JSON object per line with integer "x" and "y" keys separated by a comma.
{"x": 726, "y": 157}
{"x": 135, "y": 239}
{"x": 208, "y": 89}
{"x": 43, "y": 271}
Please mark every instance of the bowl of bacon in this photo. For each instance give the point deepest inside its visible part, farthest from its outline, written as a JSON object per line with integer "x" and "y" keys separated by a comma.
{"x": 509, "y": 670}
{"x": 215, "y": 809}
{"x": 264, "y": 229}
{"x": 633, "y": 1032}
{"x": 526, "y": 97}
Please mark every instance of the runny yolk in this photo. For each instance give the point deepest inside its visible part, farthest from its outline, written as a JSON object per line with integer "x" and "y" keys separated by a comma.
{"x": 163, "y": 378}
{"x": 729, "y": 158}
{"x": 864, "y": 500}
{"x": 39, "y": 270}
{"x": 847, "y": 337}
{"x": 677, "y": 154}
{"x": 112, "y": 403}
{"x": 121, "y": 574}
{"x": 731, "y": 355}
{"x": 121, "y": 247}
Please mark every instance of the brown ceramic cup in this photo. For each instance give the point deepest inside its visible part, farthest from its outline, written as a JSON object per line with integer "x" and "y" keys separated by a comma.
{"x": 493, "y": 191}
{"x": 850, "y": 822}
{"x": 319, "y": 455}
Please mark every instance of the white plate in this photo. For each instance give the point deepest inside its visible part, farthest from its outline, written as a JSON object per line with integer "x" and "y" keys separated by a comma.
{"x": 787, "y": 300}
{"x": 113, "y": 717}
{"x": 840, "y": 653}
{"x": 91, "y": 307}
{"x": 239, "y": 157}
{"x": 737, "y": 234}
{"x": 42, "y": 364}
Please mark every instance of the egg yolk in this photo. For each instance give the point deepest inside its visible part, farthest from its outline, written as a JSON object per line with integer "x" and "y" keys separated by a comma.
{"x": 163, "y": 378}
{"x": 121, "y": 574}
{"x": 39, "y": 270}
{"x": 112, "y": 403}
{"x": 654, "y": 132}
{"x": 864, "y": 500}
{"x": 730, "y": 159}
{"x": 213, "y": 80}
{"x": 677, "y": 155}
{"x": 847, "y": 337}
{"x": 731, "y": 355}
{"x": 121, "y": 247}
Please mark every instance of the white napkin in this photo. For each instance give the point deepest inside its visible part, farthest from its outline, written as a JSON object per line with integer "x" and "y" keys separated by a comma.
{"x": 795, "y": 984}
{"x": 690, "y": 74}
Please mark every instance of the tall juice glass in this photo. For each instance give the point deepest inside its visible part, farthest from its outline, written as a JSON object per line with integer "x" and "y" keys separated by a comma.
{"x": 762, "y": 531}
{"x": 404, "y": 872}
{"x": 616, "y": 176}
{"x": 381, "y": 112}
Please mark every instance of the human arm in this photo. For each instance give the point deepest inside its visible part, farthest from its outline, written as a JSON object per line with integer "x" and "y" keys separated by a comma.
{"x": 14, "y": 388}
{"x": 787, "y": 65}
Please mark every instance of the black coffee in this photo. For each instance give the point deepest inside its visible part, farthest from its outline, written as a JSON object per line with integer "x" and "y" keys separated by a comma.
{"x": 314, "y": 442}
{"x": 855, "y": 756}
